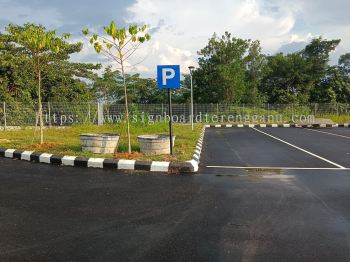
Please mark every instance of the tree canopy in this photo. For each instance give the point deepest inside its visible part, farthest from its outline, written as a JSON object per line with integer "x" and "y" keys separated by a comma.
{"x": 62, "y": 79}
{"x": 230, "y": 70}
{"x": 233, "y": 70}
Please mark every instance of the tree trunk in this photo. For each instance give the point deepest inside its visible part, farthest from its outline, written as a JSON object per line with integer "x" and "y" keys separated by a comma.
{"x": 126, "y": 108}
{"x": 41, "y": 123}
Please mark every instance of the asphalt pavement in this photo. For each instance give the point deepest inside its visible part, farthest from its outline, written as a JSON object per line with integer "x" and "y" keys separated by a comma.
{"x": 238, "y": 211}
{"x": 341, "y": 132}
{"x": 330, "y": 147}
{"x": 246, "y": 147}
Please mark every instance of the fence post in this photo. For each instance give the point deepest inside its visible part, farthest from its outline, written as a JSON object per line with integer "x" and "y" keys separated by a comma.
{"x": 89, "y": 112}
{"x": 4, "y": 108}
{"x": 315, "y": 109}
{"x": 99, "y": 114}
{"x": 49, "y": 109}
{"x": 337, "y": 109}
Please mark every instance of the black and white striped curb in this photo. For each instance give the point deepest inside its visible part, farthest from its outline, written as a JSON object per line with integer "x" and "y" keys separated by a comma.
{"x": 198, "y": 150}
{"x": 280, "y": 125}
{"x": 121, "y": 164}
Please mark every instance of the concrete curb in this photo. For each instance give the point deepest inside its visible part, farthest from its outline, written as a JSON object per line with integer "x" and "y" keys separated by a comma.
{"x": 198, "y": 150}
{"x": 119, "y": 164}
{"x": 279, "y": 125}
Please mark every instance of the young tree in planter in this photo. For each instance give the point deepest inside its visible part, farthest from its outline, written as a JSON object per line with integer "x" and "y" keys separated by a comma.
{"x": 39, "y": 46}
{"x": 120, "y": 44}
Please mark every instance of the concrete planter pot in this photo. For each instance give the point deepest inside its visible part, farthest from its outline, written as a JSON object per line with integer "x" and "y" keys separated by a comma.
{"x": 155, "y": 144}
{"x": 99, "y": 143}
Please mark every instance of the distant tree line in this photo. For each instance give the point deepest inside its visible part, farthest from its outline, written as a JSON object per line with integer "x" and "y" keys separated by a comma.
{"x": 234, "y": 70}
{"x": 230, "y": 70}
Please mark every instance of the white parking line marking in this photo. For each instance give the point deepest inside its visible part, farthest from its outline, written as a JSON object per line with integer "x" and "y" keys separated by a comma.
{"x": 284, "y": 178}
{"x": 328, "y": 133}
{"x": 299, "y": 148}
{"x": 278, "y": 168}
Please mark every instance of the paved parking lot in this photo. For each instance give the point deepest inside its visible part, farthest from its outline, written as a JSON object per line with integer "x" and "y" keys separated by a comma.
{"x": 256, "y": 198}
{"x": 286, "y": 148}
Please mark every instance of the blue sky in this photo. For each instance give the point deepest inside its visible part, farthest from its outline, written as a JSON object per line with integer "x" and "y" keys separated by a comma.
{"x": 180, "y": 27}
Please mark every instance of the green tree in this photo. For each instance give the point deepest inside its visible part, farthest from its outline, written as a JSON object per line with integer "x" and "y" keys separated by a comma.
{"x": 119, "y": 45}
{"x": 256, "y": 69}
{"x": 230, "y": 70}
{"x": 144, "y": 90}
{"x": 317, "y": 55}
{"x": 343, "y": 79}
{"x": 221, "y": 72}
{"x": 110, "y": 87}
{"x": 67, "y": 81}
{"x": 335, "y": 86}
{"x": 41, "y": 46}
{"x": 17, "y": 76}
{"x": 61, "y": 79}
{"x": 301, "y": 77}
{"x": 105, "y": 87}
{"x": 286, "y": 80}
{"x": 344, "y": 63}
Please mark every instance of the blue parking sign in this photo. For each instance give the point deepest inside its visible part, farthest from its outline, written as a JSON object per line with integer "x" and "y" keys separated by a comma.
{"x": 168, "y": 76}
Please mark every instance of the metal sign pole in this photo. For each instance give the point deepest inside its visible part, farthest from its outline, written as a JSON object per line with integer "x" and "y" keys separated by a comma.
{"x": 170, "y": 122}
{"x": 191, "y": 102}
{"x": 168, "y": 77}
{"x": 191, "y": 68}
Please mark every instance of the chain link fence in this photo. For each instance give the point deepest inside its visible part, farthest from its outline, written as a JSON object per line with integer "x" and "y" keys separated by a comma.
{"x": 66, "y": 114}
{"x": 54, "y": 114}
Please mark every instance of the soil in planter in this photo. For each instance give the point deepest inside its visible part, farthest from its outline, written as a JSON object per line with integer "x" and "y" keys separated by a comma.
{"x": 46, "y": 145}
{"x": 131, "y": 156}
{"x": 170, "y": 157}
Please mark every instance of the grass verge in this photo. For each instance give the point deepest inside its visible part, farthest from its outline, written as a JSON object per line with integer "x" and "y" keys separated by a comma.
{"x": 66, "y": 141}
{"x": 341, "y": 119}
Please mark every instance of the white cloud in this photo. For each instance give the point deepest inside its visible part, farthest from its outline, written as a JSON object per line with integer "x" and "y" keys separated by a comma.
{"x": 301, "y": 38}
{"x": 183, "y": 27}
{"x": 180, "y": 28}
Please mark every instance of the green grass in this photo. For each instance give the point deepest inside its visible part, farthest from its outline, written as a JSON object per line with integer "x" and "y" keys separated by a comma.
{"x": 341, "y": 119}
{"x": 69, "y": 141}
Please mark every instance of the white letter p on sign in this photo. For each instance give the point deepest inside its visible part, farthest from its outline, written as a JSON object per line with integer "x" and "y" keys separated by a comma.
{"x": 166, "y": 76}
